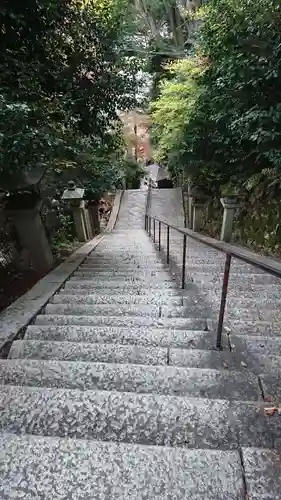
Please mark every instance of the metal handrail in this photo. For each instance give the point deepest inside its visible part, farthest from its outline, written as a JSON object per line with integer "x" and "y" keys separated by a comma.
{"x": 266, "y": 264}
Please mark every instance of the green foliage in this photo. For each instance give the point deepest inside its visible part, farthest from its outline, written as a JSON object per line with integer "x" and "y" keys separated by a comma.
{"x": 229, "y": 128}
{"x": 172, "y": 111}
{"x": 62, "y": 80}
{"x": 133, "y": 173}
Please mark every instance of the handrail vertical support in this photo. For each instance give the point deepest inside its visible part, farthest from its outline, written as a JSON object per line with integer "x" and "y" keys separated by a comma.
{"x": 168, "y": 244}
{"x": 223, "y": 300}
{"x": 154, "y": 230}
{"x": 183, "y": 262}
{"x": 149, "y": 226}
{"x": 159, "y": 242}
{"x": 145, "y": 222}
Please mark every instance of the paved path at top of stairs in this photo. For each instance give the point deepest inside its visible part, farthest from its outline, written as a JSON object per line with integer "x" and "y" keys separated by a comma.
{"x": 115, "y": 391}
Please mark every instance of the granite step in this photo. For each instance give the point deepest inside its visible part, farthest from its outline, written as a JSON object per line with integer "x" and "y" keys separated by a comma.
{"x": 170, "y": 380}
{"x": 136, "y": 418}
{"x": 120, "y": 417}
{"x": 103, "y": 309}
{"x": 250, "y": 279}
{"x": 257, "y": 344}
{"x": 121, "y": 284}
{"x": 145, "y": 336}
{"x": 82, "y": 298}
{"x": 71, "y": 288}
{"x": 137, "y": 275}
{"x": 111, "y": 266}
{"x": 118, "y": 353}
{"x": 121, "y": 321}
{"x": 120, "y": 309}
{"x": 82, "y": 351}
{"x": 41, "y": 467}
{"x": 257, "y": 327}
{"x": 121, "y": 287}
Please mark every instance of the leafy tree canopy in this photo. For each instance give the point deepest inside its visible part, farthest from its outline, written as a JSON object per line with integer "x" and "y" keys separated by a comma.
{"x": 62, "y": 80}
{"x": 230, "y": 124}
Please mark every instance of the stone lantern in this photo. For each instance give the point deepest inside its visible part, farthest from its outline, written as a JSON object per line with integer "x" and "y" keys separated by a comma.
{"x": 75, "y": 196}
{"x": 23, "y": 205}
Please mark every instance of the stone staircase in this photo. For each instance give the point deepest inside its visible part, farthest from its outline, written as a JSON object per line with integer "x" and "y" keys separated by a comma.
{"x": 116, "y": 393}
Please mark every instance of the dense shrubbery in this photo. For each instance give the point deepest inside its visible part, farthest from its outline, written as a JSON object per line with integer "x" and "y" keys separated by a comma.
{"x": 62, "y": 79}
{"x": 217, "y": 121}
{"x": 226, "y": 101}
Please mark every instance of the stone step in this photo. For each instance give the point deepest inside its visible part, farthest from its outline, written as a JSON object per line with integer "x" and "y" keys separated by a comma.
{"x": 262, "y": 473}
{"x": 249, "y": 279}
{"x": 121, "y": 283}
{"x": 94, "y": 266}
{"x": 169, "y": 293}
{"x": 218, "y": 268}
{"x": 121, "y": 321}
{"x": 88, "y": 309}
{"x": 127, "y": 287}
{"x": 193, "y": 382}
{"x": 103, "y": 309}
{"x": 136, "y": 418}
{"x": 39, "y": 467}
{"x": 258, "y": 344}
{"x": 257, "y": 327}
{"x": 113, "y": 416}
{"x": 136, "y": 275}
{"x": 82, "y": 298}
{"x": 146, "y": 336}
{"x": 136, "y": 354}
{"x": 79, "y": 351}
{"x": 123, "y": 269}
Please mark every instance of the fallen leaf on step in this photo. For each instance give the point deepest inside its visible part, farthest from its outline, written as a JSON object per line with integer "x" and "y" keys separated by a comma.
{"x": 227, "y": 329}
{"x": 244, "y": 364}
{"x": 225, "y": 365}
{"x": 268, "y": 399}
{"x": 232, "y": 346}
{"x": 269, "y": 412}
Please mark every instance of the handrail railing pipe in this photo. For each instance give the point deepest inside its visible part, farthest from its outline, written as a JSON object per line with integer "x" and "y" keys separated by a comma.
{"x": 168, "y": 244}
{"x": 154, "y": 230}
{"x": 263, "y": 263}
{"x": 223, "y": 299}
{"x": 159, "y": 237}
{"x": 183, "y": 262}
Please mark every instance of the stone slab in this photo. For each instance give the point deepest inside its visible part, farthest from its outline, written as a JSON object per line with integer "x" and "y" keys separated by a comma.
{"x": 111, "y": 416}
{"x": 248, "y": 328}
{"x": 134, "y": 274}
{"x": 196, "y": 358}
{"x": 262, "y": 474}
{"x": 104, "y": 309}
{"x": 258, "y": 344}
{"x": 170, "y": 380}
{"x": 271, "y": 386}
{"x": 82, "y": 298}
{"x": 79, "y": 351}
{"x": 146, "y": 336}
{"x": 121, "y": 321}
{"x": 119, "y": 284}
{"x": 126, "y": 288}
{"x": 33, "y": 467}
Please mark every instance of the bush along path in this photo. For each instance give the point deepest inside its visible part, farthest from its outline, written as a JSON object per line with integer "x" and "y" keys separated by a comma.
{"x": 115, "y": 391}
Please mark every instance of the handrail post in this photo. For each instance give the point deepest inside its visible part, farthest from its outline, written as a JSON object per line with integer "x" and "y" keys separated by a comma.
{"x": 223, "y": 300}
{"x": 183, "y": 262}
{"x": 159, "y": 242}
{"x": 154, "y": 230}
{"x": 168, "y": 244}
{"x": 149, "y": 226}
{"x": 145, "y": 222}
